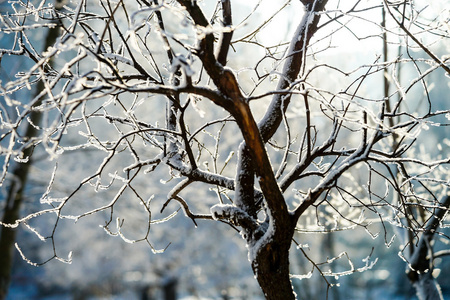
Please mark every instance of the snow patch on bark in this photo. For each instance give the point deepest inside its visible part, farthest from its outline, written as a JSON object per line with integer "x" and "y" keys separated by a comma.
{"x": 225, "y": 211}
{"x": 254, "y": 246}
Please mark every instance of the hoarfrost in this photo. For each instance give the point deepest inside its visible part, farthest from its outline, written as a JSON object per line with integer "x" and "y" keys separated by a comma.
{"x": 119, "y": 58}
{"x": 301, "y": 277}
{"x": 227, "y": 211}
{"x": 253, "y": 248}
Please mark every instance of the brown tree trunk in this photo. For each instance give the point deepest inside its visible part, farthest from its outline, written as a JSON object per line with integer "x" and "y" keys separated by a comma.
{"x": 271, "y": 267}
{"x": 270, "y": 260}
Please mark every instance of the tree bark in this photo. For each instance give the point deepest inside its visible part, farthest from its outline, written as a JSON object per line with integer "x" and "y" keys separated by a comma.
{"x": 271, "y": 268}
{"x": 427, "y": 288}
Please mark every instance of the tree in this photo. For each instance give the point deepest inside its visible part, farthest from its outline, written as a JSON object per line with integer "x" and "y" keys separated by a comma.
{"x": 155, "y": 85}
{"x": 418, "y": 250}
{"x": 19, "y": 173}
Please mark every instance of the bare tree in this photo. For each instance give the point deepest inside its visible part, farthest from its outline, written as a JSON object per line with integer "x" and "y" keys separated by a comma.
{"x": 19, "y": 173}
{"x": 181, "y": 86}
{"x": 418, "y": 248}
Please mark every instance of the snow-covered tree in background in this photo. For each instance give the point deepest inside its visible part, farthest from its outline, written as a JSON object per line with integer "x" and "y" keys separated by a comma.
{"x": 247, "y": 122}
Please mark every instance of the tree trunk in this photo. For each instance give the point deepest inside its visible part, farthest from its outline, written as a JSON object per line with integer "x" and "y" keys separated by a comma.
{"x": 15, "y": 195}
{"x": 170, "y": 289}
{"x": 421, "y": 272}
{"x": 271, "y": 266}
{"x": 427, "y": 288}
{"x": 11, "y": 214}
{"x": 8, "y": 236}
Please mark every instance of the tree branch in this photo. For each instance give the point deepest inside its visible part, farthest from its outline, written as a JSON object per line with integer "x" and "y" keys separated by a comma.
{"x": 227, "y": 33}
{"x": 416, "y": 40}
